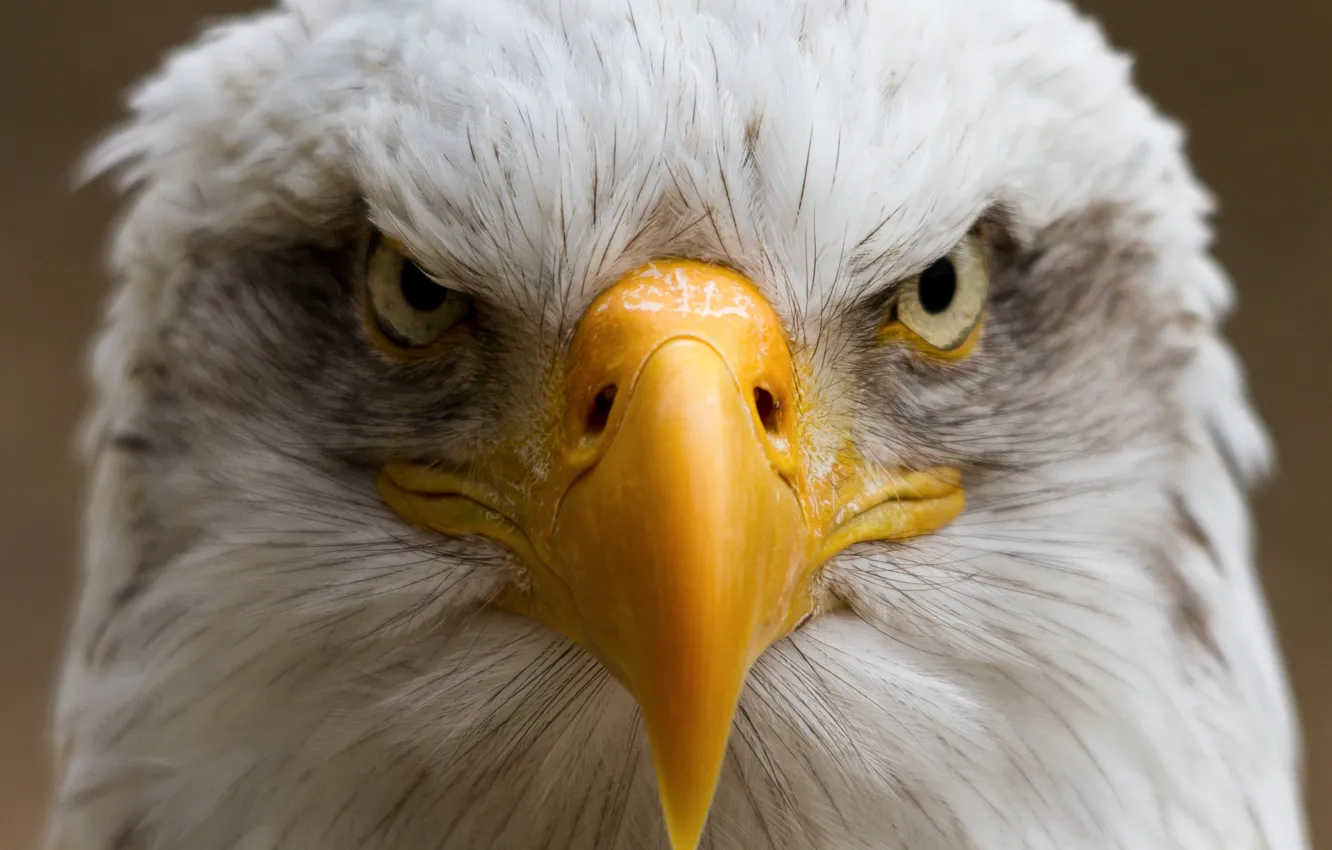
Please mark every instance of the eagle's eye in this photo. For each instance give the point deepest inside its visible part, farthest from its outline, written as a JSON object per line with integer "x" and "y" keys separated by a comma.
{"x": 410, "y": 309}
{"x": 943, "y": 305}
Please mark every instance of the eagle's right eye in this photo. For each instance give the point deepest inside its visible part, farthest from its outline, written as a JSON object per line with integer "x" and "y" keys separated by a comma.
{"x": 940, "y": 309}
{"x": 411, "y": 310}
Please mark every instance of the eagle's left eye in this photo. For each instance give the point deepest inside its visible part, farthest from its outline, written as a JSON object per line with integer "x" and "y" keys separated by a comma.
{"x": 942, "y": 306}
{"x": 409, "y": 308}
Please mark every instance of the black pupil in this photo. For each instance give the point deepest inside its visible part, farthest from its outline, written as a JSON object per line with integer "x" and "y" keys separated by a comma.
{"x": 419, "y": 291}
{"x": 938, "y": 285}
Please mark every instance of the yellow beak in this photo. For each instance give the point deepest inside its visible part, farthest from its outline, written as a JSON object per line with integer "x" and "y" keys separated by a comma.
{"x": 682, "y": 547}
{"x": 680, "y": 531}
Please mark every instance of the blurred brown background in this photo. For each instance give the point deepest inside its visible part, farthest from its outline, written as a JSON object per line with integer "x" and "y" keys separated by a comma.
{"x": 1252, "y": 81}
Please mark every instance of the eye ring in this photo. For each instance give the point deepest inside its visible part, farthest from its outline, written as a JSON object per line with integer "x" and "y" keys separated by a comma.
{"x": 940, "y": 310}
{"x": 408, "y": 311}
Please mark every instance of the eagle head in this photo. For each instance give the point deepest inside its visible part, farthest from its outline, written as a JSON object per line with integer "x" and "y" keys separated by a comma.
{"x": 645, "y": 423}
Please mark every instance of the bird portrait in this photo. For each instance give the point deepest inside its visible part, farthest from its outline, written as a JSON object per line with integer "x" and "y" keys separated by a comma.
{"x": 666, "y": 424}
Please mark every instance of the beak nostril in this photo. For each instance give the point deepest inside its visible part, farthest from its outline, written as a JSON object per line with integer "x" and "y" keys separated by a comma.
{"x": 599, "y": 413}
{"x": 768, "y": 409}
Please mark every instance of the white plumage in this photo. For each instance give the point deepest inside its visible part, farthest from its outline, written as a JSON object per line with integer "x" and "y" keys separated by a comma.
{"x": 266, "y": 657}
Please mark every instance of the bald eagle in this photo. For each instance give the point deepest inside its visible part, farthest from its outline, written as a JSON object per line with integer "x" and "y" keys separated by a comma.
{"x": 666, "y": 423}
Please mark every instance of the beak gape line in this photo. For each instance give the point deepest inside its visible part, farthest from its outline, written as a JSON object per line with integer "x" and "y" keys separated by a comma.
{"x": 680, "y": 531}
